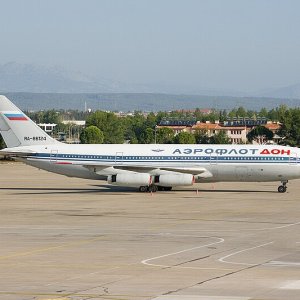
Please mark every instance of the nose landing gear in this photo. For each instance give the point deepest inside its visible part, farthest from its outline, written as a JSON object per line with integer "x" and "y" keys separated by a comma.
{"x": 282, "y": 188}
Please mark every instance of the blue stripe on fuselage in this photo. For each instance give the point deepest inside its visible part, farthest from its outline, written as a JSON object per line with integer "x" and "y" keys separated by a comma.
{"x": 144, "y": 158}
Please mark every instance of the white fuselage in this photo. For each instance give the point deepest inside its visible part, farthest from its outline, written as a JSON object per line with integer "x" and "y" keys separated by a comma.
{"x": 224, "y": 162}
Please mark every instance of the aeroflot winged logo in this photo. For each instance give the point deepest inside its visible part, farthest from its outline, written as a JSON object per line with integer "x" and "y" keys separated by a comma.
{"x": 158, "y": 150}
{"x": 15, "y": 117}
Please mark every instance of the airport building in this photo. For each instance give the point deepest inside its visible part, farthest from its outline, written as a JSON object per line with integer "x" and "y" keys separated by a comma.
{"x": 236, "y": 129}
{"x": 72, "y": 136}
{"x": 47, "y": 127}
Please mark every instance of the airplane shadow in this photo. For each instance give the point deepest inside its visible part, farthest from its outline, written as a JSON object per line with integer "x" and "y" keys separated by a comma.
{"x": 228, "y": 191}
{"x": 118, "y": 189}
{"x": 49, "y": 191}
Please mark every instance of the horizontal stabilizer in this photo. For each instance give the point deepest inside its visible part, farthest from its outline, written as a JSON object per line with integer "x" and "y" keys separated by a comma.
{"x": 15, "y": 152}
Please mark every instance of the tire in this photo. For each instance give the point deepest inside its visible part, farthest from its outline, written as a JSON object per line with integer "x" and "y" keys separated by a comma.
{"x": 153, "y": 188}
{"x": 281, "y": 189}
{"x": 143, "y": 189}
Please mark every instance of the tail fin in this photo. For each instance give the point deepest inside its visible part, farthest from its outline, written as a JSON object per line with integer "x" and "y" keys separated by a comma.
{"x": 17, "y": 129}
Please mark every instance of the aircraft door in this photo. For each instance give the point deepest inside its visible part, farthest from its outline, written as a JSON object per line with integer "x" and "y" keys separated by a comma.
{"x": 119, "y": 158}
{"x": 213, "y": 159}
{"x": 53, "y": 156}
{"x": 293, "y": 158}
{"x": 213, "y": 168}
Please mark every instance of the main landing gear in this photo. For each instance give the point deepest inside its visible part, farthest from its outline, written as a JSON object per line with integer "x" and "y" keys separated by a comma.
{"x": 151, "y": 188}
{"x": 154, "y": 188}
{"x": 282, "y": 188}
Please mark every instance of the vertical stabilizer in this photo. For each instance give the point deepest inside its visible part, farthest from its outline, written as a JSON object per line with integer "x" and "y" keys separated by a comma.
{"x": 19, "y": 130}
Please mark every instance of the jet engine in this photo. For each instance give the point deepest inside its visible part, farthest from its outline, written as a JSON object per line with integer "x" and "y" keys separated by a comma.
{"x": 174, "y": 179}
{"x": 130, "y": 179}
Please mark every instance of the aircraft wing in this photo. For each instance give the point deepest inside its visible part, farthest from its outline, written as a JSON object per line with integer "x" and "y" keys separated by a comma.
{"x": 199, "y": 171}
{"x": 112, "y": 168}
{"x": 184, "y": 170}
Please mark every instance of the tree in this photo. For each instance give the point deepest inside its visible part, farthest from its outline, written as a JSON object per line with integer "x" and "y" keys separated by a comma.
{"x": 151, "y": 120}
{"x": 201, "y": 137}
{"x": 48, "y": 116}
{"x": 109, "y": 124}
{"x": 260, "y": 134}
{"x": 92, "y": 135}
{"x": 232, "y": 114}
{"x": 51, "y": 116}
{"x": 220, "y": 138}
{"x": 223, "y": 115}
{"x": 184, "y": 138}
{"x": 263, "y": 113}
{"x": 290, "y": 129}
{"x": 241, "y": 112}
{"x": 164, "y": 135}
{"x": 147, "y": 136}
{"x": 138, "y": 126}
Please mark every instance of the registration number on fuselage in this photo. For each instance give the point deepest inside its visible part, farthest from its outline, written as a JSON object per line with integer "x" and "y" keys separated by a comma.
{"x": 34, "y": 138}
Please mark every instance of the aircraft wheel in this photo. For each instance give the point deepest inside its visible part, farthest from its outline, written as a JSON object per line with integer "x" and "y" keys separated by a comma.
{"x": 153, "y": 188}
{"x": 143, "y": 189}
{"x": 281, "y": 189}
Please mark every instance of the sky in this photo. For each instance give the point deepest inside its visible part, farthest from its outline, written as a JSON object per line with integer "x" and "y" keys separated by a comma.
{"x": 241, "y": 45}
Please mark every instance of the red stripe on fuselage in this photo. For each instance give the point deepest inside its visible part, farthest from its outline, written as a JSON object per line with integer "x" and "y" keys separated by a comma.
{"x": 17, "y": 118}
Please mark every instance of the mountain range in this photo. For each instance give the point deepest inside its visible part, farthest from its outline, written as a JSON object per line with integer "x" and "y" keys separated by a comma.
{"x": 15, "y": 77}
{"x": 34, "y": 87}
{"x": 31, "y": 78}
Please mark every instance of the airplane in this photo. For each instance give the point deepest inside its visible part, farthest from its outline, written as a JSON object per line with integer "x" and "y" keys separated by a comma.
{"x": 148, "y": 167}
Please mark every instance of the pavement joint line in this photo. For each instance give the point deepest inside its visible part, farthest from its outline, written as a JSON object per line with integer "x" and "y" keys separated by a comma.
{"x": 85, "y": 275}
{"x": 20, "y": 293}
{"x": 242, "y": 229}
{"x": 181, "y": 230}
{"x": 41, "y": 250}
{"x": 79, "y": 266}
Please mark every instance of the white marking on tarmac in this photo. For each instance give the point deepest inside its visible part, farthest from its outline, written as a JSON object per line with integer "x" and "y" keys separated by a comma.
{"x": 146, "y": 261}
{"x": 162, "y": 234}
{"x": 277, "y": 263}
{"x": 291, "y": 285}
{"x": 222, "y": 259}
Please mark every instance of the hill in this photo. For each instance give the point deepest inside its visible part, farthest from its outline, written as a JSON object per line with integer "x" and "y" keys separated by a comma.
{"x": 140, "y": 101}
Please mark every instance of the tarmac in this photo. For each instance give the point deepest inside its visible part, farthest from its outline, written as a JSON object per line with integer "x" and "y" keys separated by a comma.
{"x": 68, "y": 238}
